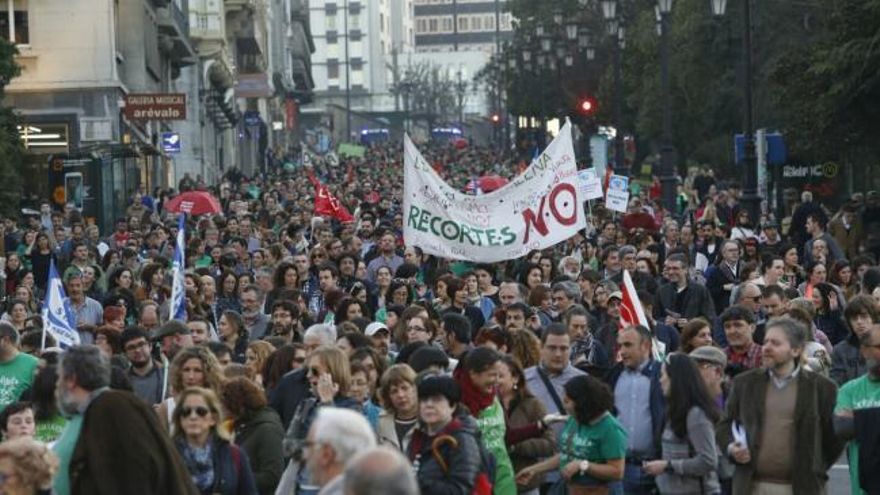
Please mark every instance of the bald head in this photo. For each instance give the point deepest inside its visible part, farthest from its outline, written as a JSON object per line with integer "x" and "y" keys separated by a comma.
{"x": 380, "y": 471}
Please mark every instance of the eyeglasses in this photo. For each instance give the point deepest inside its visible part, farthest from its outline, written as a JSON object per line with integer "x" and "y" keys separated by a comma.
{"x": 415, "y": 328}
{"x": 201, "y": 411}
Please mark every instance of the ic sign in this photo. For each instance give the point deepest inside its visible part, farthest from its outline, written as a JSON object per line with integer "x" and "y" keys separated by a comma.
{"x": 155, "y": 106}
{"x": 171, "y": 142}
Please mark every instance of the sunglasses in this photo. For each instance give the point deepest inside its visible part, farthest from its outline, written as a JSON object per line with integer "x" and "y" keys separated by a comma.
{"x": 200, "y": 411}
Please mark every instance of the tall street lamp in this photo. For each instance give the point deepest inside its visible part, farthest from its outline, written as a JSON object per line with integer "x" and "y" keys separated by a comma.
{"x": 609, "y": 13}
{"x": 750, "y": 199}
{"x": 667, "y": 150}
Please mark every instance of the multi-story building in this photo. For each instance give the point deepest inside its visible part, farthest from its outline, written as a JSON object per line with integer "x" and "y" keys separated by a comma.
{"x": 85, "y": 62}
{"x": 461, "y": 25}
{"x": 358, "y": 48}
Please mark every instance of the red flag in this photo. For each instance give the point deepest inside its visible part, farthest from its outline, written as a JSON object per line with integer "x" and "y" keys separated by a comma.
{"x": 328, "y": 205}
{"x": 631, "y": 310}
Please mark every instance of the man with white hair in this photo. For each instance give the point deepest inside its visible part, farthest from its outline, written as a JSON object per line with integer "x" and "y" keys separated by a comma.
{"x": 380, "y": 471}
{"x": 293, "y": 387}
{"x": 336, "y": 436}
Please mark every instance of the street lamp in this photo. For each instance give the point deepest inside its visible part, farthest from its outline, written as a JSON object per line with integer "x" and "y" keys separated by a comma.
{"x": 750, "y": 199}
{"x": 719, "y": 7}
{"x": 667, "y": 150}
{"x": 609, "y": 9}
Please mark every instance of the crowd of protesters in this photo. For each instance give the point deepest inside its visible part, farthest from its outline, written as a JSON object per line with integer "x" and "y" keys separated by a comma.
{"x": 327, "y": 357}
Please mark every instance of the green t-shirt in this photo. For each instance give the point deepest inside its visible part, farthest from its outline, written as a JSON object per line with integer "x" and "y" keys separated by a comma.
{"x": 16, "y": 376}
{"x": 49, "y": 430}
{"x": 600, "y": 442}
{"x": 861, "y": 393}
{"x": 493, "y": 428}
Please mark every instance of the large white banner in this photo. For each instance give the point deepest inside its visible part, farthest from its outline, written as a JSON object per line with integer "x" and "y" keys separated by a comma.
{"x": 538, "y": 209}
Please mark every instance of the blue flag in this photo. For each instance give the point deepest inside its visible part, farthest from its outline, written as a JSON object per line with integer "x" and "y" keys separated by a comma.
{"x": 58, "y": 319}
{"x": 178, "y": 290}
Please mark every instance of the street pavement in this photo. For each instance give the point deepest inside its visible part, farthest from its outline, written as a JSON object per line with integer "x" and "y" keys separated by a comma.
{"x": 838, "y": 483}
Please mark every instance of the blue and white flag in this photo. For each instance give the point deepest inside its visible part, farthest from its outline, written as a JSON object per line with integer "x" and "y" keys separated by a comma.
{"x": 178, "y": 290}
{"x": 58, "y": 319}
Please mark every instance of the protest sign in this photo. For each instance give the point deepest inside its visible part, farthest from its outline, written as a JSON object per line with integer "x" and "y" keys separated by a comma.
{"x": 538, "y": 209}
{"x": 617, "y": 197}
{"x": 590, "y": 187}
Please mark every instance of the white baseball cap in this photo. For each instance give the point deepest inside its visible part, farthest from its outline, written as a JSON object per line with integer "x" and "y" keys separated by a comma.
{"x": 374, "y": 328}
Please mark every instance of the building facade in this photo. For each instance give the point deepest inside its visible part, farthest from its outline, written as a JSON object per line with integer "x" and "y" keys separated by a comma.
{"x": 83, "y": 62}
{"x": 461, "y": 25}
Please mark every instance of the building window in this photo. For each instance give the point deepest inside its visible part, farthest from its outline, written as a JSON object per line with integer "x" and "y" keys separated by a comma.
{"x": 354, "y": 21}
{"x": 332, "y": 71}
{"x": 14, "y": 21}
{"x": 489, "y": 22}
{"x": 421, "y": 25}
{"x": 462, "y": 24}
{"x": 476, "y": 23}
{"x": 381, "y": 22}
{"x": 330, "y": 23}
{"x": 432, "y": 25}
{"x": 447, "y": 24}
{"x": 505, "y": 21}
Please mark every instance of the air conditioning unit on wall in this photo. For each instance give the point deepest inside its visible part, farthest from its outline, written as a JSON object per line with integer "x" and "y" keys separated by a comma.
{"x": 95, "y": 129}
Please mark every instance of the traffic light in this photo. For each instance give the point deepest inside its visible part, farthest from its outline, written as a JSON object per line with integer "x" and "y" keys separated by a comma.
{"x": 495, "y": 118}
{"x": 586, "y": 106}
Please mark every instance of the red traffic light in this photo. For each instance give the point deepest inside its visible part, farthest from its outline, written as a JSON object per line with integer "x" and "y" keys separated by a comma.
{"x": 586, "y": 106}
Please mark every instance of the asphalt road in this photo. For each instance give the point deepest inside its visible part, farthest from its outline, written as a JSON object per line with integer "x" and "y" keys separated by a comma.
{"x": 838, "y": 483}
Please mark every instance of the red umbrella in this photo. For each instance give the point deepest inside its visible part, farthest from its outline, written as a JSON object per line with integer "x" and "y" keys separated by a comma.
{"x": 488, "y": 183}
{"x": 194, "y": 203}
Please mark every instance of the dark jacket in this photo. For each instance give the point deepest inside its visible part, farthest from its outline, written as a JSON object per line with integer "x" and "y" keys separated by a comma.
{"x": 815, "y": 448}
{"x": 463, "y": 462}
{"x": 717, "y": 276}
{"x": 847, "y": 362}
{"x": 657, "y": 402}
{"x": 232, "y": 470}
{"x": 260, "y": 435}
{"x": 523, "y": 412}
{"x": 123, "y": 449}
{"x": 291, "y": 390}
{"x": 295, "y": 435}
{"x": 694, "y": 302}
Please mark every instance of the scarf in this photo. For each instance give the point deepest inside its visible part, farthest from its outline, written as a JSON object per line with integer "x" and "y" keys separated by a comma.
{"x": 199, "y": 462}
{"x": 475, "y": 399}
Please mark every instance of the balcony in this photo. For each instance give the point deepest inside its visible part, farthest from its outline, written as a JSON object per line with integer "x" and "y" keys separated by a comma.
{"x": 174, "y": 32}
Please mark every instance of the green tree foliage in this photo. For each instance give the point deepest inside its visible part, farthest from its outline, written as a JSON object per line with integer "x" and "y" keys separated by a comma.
{"x": 12, "y": 152}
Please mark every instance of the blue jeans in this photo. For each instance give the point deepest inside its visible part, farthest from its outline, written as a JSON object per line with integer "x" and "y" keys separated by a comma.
{"x": 636, "y": 481}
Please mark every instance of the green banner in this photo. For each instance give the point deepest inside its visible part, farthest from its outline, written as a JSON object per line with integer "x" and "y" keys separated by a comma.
{"x": 352, "y": 150}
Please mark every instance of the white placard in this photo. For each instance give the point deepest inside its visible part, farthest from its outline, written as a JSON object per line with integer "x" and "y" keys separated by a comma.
{"x": 590, "y": 185}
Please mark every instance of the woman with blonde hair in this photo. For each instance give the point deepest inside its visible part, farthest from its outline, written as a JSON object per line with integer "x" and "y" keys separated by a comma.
{"x": 255, "y": 358}
{"x": 400, "y": 399}
{"x": 329, "y": 377}
{"x": 27, "y": 466}
{"x": 191, "y": 367}
{"x": 214, "y": 464}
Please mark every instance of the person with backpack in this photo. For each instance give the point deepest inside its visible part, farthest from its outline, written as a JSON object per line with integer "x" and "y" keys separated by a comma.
{"x": 477, "y": 375}
{"x": 445, "y": 449}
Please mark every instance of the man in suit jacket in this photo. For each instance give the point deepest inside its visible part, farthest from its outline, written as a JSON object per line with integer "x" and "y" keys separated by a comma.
{"x": 783, "y": 417}
{"x": 680, "y": 300}
{"x": 113, "y": 443}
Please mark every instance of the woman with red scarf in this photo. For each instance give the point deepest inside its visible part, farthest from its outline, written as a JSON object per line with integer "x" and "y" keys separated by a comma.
{"x": 477, "y": 375}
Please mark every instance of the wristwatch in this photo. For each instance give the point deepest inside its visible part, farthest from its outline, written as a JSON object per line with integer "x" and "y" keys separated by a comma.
{"x": 583, "y": 467}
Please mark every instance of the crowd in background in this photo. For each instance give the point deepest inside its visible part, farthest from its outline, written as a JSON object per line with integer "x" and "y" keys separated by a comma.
{"x": 327, "y": 357}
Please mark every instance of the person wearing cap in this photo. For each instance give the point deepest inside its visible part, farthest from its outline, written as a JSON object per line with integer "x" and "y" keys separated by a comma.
{"x": 445, "y": 450}
{"x": 380, "y": 335}
{"x": 607, "y": 333}
{"x": 172, "y": 337}
{"x": 711, "y": 362}
{"x": 769, "y": 237}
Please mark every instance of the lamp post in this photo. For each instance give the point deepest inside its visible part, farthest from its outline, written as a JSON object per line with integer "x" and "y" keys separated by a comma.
{"x": 609, "y": 12}
{"x": 750, "y": 199}
{"x": 667, "y": 150}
